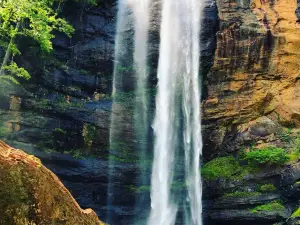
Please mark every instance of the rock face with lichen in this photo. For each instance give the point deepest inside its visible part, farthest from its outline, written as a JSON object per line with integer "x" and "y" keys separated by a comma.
{"x": 252, "y": 102}
{"x": 30, "y": 194}
{"x": 256, "y": 67}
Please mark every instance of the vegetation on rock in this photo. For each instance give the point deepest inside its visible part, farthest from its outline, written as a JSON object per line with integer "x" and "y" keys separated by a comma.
{"x": 267, "y": 156}
{"x": 295, "y": 150}
{"x": 296, "y": 213}
{"x": 230, "y": 167}
{"x": 273, "y": 206}
{"x": 222, "y": 167}
{"x": 176, "y": 185}
{"x": 31, "y": 194}
{"x": 242, "y": 194}
{"x": 267, "y": 188}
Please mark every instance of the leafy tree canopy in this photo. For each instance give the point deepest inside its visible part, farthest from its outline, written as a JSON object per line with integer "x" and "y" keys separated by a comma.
{"x": 36, "y": 19}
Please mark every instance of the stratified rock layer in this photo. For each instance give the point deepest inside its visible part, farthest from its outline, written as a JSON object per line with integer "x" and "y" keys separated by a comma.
{"x": 256, "y": 67}
{"x": 31, "y": 194}
{"x": 251, "y": 92}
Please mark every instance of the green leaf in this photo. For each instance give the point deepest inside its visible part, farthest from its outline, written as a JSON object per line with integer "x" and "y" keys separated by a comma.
{"x": 14, "y": 71}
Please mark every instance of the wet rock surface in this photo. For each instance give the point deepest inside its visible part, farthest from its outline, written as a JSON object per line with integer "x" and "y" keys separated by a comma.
{"x": 250, "y": 92}
{"x": 31, "y": 194}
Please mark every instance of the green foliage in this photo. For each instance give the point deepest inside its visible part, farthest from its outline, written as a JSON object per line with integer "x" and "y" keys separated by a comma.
{"x": 291, "y": 141}
{"x": 84, "y": 72}
{"x": 267, "y": 188}
{"x": 125, "y": 98}
{"x": 139, "y": 189}
{"x": 35, "y": 19}
{"x": 296, "y": 213}
{"x": 267, "y": 156}
{"x": 76, "y": 153}
{"x": 273, "y": 206}
{"x": 241, "y": 194}
{"x": 4, "y": 131}
{"x": 59, "y": 130}
{"x": 128, "y": 99}
{"x": 12, "y": 72}
{"x": 179, "y": 185}
{"x": 176, "y": 185}
{"x": 123, "y": 152}
{"x": 295, "y": 151}
{"x": 125, "y": 69}
{"x": 222, "y": 167}
{"x": 91, "y": 2}
{"x": 38, "y": 21}
{"x": 59, "y": 104}
{"x": 90, "y": 134}
{"x": 285, "y": 135}
{"x": 296, "y": 147}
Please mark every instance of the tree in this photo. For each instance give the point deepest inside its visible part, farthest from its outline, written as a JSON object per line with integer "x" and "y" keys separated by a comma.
{"x": 35, "y": 19}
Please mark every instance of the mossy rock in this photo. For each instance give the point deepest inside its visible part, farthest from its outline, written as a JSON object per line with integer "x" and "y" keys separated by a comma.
{"x": 31, "y": 194}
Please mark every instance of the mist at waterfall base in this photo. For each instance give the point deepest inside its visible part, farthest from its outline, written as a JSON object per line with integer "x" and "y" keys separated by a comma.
{"x": 176, "y": 190}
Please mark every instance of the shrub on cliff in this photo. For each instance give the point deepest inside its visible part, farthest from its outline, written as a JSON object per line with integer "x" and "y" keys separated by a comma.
{"x": 242, "y": 194}
{"x": 273, "y": 206}
{"x": 267, "y": 156}
{"x": 222, "y": 167}
{"x": 267, "y": 188}
{"x": 295, "y": 153}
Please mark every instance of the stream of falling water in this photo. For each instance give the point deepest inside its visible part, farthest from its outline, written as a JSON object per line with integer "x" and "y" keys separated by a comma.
{"x": 130, "y": 75}
{"x": 178, "y": 71}
{"x": 178, "y": 97}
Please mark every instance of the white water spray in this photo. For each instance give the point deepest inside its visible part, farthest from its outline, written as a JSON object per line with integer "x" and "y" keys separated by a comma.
{"x": 130, "y": 74}
{"x": 141, "y": 11}
{"x": 178, "y": 65}
{"x": 191, "y": 105}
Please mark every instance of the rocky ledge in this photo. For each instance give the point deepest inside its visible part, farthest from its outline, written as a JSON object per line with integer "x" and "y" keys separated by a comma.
{"x": 31, "y": 194}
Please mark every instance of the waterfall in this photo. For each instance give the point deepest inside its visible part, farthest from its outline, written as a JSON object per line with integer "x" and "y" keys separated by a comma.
{"x": 130, "y": 76}
{"x": 141, "y": 11}
{"x": 178, "y": 74}
{"x": 177, "y": 123}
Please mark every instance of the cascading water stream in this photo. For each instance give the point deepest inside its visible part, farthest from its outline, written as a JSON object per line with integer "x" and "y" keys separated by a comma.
{"x": 178, "y": 97}
{"x": 142, "y": 21}
{"x": 191, "y": 105}
{"x": 178, "y": 72}
{"x": 163, "y": 210}
{"x": 130, "y": 75}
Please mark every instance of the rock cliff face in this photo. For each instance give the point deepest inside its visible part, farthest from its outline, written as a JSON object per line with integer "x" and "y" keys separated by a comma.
{"x": 253, "y": 101}
{"x": 251, "y": 98}
{"x": 255, "y": 71}
{"x": 31, "y": 194}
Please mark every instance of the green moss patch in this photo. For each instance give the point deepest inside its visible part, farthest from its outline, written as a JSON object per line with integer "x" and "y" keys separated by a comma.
{"x": 222, "y": 167}
{"x": 31, "y": 195}
{"x": 273, "y": 206}
{"x": 267, "y": 156}
{"x": 241, "y": 194}
{"x": 139, "y": 189}
{"x": 295, "y": 151}
{"x": 296, "y": 213}
{"x": 176, "y": 185}
{"x": 267, "y": 188}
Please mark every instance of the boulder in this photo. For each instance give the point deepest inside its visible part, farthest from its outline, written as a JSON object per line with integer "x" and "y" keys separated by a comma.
{"x": 31, "y": 194}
